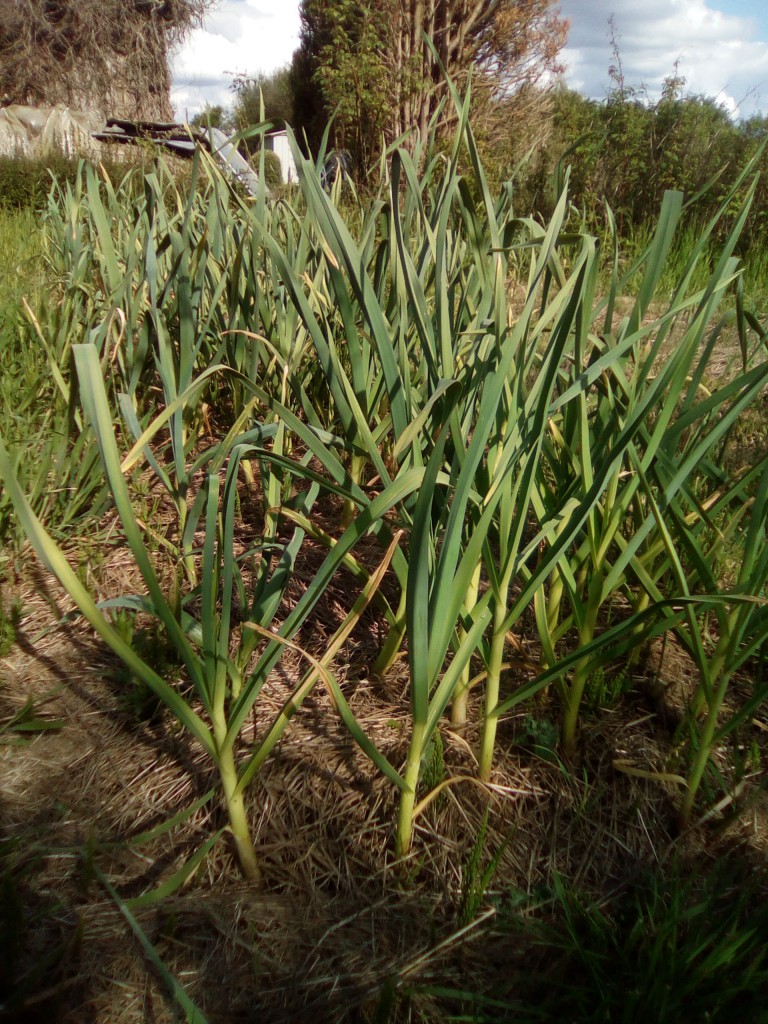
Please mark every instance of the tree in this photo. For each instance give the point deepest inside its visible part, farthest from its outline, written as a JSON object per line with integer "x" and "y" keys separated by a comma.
{"x": 110, "y": 55}
{"x": 213, "y": 115}
{"x": 509, "y": 46}
{"x": 344, "y": 46}
{"x": 275, "y": 90}
{"x": 626, "y": 150}
{"x": 370, "y": 64}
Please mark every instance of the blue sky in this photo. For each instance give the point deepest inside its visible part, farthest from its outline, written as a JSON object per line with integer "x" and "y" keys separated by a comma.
{"x": 720, "y": 48}
{"x": 755, "y": 9}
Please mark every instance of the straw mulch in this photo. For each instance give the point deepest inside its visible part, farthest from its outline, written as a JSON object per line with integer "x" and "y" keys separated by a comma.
{"x": 337, "y": 921}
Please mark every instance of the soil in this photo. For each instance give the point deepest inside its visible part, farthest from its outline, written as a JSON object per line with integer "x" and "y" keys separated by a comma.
{"x": 337, "y": 920}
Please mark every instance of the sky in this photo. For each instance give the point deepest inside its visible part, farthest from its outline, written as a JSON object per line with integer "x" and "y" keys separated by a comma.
{"x": 720, "y": 47}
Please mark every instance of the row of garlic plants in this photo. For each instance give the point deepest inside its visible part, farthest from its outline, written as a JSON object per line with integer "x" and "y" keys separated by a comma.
{"x": 529, "y": 451}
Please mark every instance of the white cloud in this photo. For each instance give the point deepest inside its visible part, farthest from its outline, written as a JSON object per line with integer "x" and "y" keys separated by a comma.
{"x": 245, "y": 36}
{"x": 728, "y": 102}
{"x": 715, "y": 52}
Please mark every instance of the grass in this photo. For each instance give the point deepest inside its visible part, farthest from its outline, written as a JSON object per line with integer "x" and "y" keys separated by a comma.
{"x": 21, "y": 245}
{"x": 21, "y": 250}
{"x": 57, "y": 466}
{"x": 425, "y": 482}
{"x": 671, "y": 946}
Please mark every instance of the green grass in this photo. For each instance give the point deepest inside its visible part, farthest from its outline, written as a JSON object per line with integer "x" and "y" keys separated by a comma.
{"x": 53, "y": 457}
{"x": 756, "y": 281}
{"x": 673, "y": 946}
{"x": 23, "y": 376}
{"x": 21, "y": 247}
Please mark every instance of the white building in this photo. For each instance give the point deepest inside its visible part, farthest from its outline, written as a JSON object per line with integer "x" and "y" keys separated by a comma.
{"x": 278, "y": 142}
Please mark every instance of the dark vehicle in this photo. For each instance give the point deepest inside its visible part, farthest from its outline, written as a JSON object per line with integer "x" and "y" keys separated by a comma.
{"x": 338, "y": 163}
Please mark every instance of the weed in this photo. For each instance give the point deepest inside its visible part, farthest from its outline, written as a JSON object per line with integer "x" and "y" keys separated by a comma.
{"x": 153, "y": 646}
{"x": 478, "y": 874}
{"x": 666, "y": 950}
{"x": 27, "y": 721}
{"x": 10, "y": 617}
{"x": 433, "y": 767}
{"x": 540, "y": 736}
{"x": 605, "y": 688}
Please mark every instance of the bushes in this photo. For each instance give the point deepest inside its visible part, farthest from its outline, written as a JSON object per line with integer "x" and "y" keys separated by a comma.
{"x": 273, "y": 171}
{"x": 627, "y": 151}
{"x": 25, "y": 184}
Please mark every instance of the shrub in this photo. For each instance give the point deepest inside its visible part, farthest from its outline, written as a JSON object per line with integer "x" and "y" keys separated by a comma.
{"x": 25, "y": 184}
{"x": 273, "y": 170}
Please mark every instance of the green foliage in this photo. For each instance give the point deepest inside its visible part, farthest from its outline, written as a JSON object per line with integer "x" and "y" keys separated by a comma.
{"x": 666, "y": 950}
{"x": 273, "y": 171}
{"x": 353, "y": 75}
{"x": 478, "y": 873}
{"x": 433, "y": 768}
{"x": 25, "y": 184}
{"x": 380, "y": 70}
{"x": 271, "y": 93}
{"x": 27, "y": 721}
{"x": 540, "y": 735}
{"x": 546, "y": 458}
{"x": 152, "y": 646}
{"x": 21, "y": 246}
{"x": 526, "y": 439}
{"x": 212, "y": 116}
{"x": 10, "y": 616}
{"x": 34, "y": 418}
{"x": 626, "y": 151}
{"x": 57, "y": 466}
{"x": 605, "y": 688}
{"x": 681, "y": 944}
